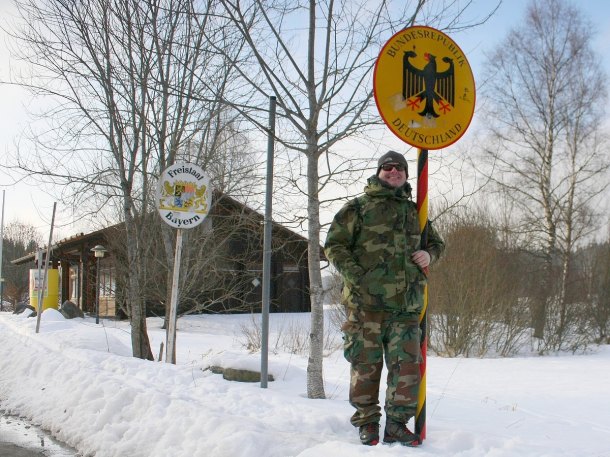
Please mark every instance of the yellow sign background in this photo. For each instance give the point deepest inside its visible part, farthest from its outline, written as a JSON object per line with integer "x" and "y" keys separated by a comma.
{"x": 424, "y": 88}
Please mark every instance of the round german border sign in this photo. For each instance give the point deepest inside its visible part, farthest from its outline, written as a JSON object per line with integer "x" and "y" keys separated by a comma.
{"x": 424, "y": 88}
{"x": 183, "y": 195}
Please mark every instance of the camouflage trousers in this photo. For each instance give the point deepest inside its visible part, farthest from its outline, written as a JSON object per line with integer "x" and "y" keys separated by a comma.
{"x": 369, "y": 337}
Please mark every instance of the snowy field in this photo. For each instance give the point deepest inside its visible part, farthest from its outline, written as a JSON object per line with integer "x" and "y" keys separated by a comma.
{"x": 78, "y": 381}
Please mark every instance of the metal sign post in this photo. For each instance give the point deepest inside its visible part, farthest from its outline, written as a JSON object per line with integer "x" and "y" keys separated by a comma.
{"x": 173, "y": 307}
{"x": 43, "y": 285}
{"x": 267, "y": 248}
{"x": 183, "y": 202}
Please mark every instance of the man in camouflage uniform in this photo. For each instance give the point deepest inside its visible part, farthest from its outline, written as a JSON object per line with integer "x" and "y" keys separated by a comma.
{"x": 374, "y": 242}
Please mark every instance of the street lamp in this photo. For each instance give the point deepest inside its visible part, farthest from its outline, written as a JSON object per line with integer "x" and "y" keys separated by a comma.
{"x": 99, "y": 252}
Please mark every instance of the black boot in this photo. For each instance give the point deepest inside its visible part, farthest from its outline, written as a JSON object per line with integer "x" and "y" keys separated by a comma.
{"x": 369, "y": 434}
{"x": 397, "y": 432}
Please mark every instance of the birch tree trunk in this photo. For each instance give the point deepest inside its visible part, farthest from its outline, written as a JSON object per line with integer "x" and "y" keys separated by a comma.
{"x": 321, "y": 76}
{"x": 130, "y": 84}
{"x": 545, "y": 93}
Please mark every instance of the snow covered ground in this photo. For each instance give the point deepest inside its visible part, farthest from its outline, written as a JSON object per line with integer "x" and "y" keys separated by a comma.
{"x": 78, "y": 381}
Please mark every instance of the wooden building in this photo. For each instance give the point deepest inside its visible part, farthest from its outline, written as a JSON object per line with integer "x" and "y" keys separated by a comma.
{"x": 227, "y": 249}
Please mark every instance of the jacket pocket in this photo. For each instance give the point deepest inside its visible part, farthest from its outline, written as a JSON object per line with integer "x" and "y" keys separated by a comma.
{"x": 353, "y": 337}
{"x": 374, "y": 288}
{"x": 414, "y": 297}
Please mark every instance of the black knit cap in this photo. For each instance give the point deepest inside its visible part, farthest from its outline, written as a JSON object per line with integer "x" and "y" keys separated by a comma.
{"x": 392, "y": 157}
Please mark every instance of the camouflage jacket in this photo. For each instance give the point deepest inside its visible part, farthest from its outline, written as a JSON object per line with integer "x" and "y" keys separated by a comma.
{"x": 370, "y": 242}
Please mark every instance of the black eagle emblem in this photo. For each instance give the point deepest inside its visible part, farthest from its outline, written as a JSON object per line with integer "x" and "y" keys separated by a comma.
{"x": 427, "y": 84}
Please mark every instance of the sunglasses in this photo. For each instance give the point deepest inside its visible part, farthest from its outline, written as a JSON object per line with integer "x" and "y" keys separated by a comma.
{"x": 390, "y": 166}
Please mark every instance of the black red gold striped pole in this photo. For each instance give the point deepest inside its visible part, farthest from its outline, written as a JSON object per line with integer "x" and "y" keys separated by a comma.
{"x": 422, "y": 210}
{"x": 403, "y": 72}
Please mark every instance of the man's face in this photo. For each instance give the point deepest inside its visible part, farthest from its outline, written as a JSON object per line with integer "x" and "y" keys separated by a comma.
{"x": 393, "y": 174}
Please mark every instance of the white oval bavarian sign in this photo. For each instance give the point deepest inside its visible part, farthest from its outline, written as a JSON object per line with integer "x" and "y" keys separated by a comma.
{"x": 183, "y": 195}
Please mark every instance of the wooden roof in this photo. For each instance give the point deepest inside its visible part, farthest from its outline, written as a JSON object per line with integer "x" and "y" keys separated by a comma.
{"x": 71, "y": 247}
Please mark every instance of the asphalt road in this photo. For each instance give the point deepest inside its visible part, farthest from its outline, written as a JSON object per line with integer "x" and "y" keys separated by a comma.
{"x": 12, "y": 450}
{"x": 18, "y": 438}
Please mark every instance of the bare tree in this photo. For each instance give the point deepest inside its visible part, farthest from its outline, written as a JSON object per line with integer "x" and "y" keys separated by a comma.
{"x": 317, "y": 59}
{"x": 594, "y": 269}
{"x": 223, "y": 147}
{"x": 19, "y": 239}
{"x": 214, "y": 273}
{"x": 477, "y": 309}
{"x": 546, "y": 91}
{"x": 127, "y": 78}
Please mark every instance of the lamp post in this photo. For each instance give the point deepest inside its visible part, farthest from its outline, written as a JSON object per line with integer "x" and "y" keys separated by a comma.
{"x": 99, "y": 252}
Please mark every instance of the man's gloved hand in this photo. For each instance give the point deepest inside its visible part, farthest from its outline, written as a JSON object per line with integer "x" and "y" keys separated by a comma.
{"x": 421, "y": 259}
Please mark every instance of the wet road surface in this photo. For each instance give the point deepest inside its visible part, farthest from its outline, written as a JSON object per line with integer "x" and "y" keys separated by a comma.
{"x": 18, "y": 438}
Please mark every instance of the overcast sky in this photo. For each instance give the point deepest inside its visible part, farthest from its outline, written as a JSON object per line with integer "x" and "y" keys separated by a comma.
{"x": 26, "y": 203}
